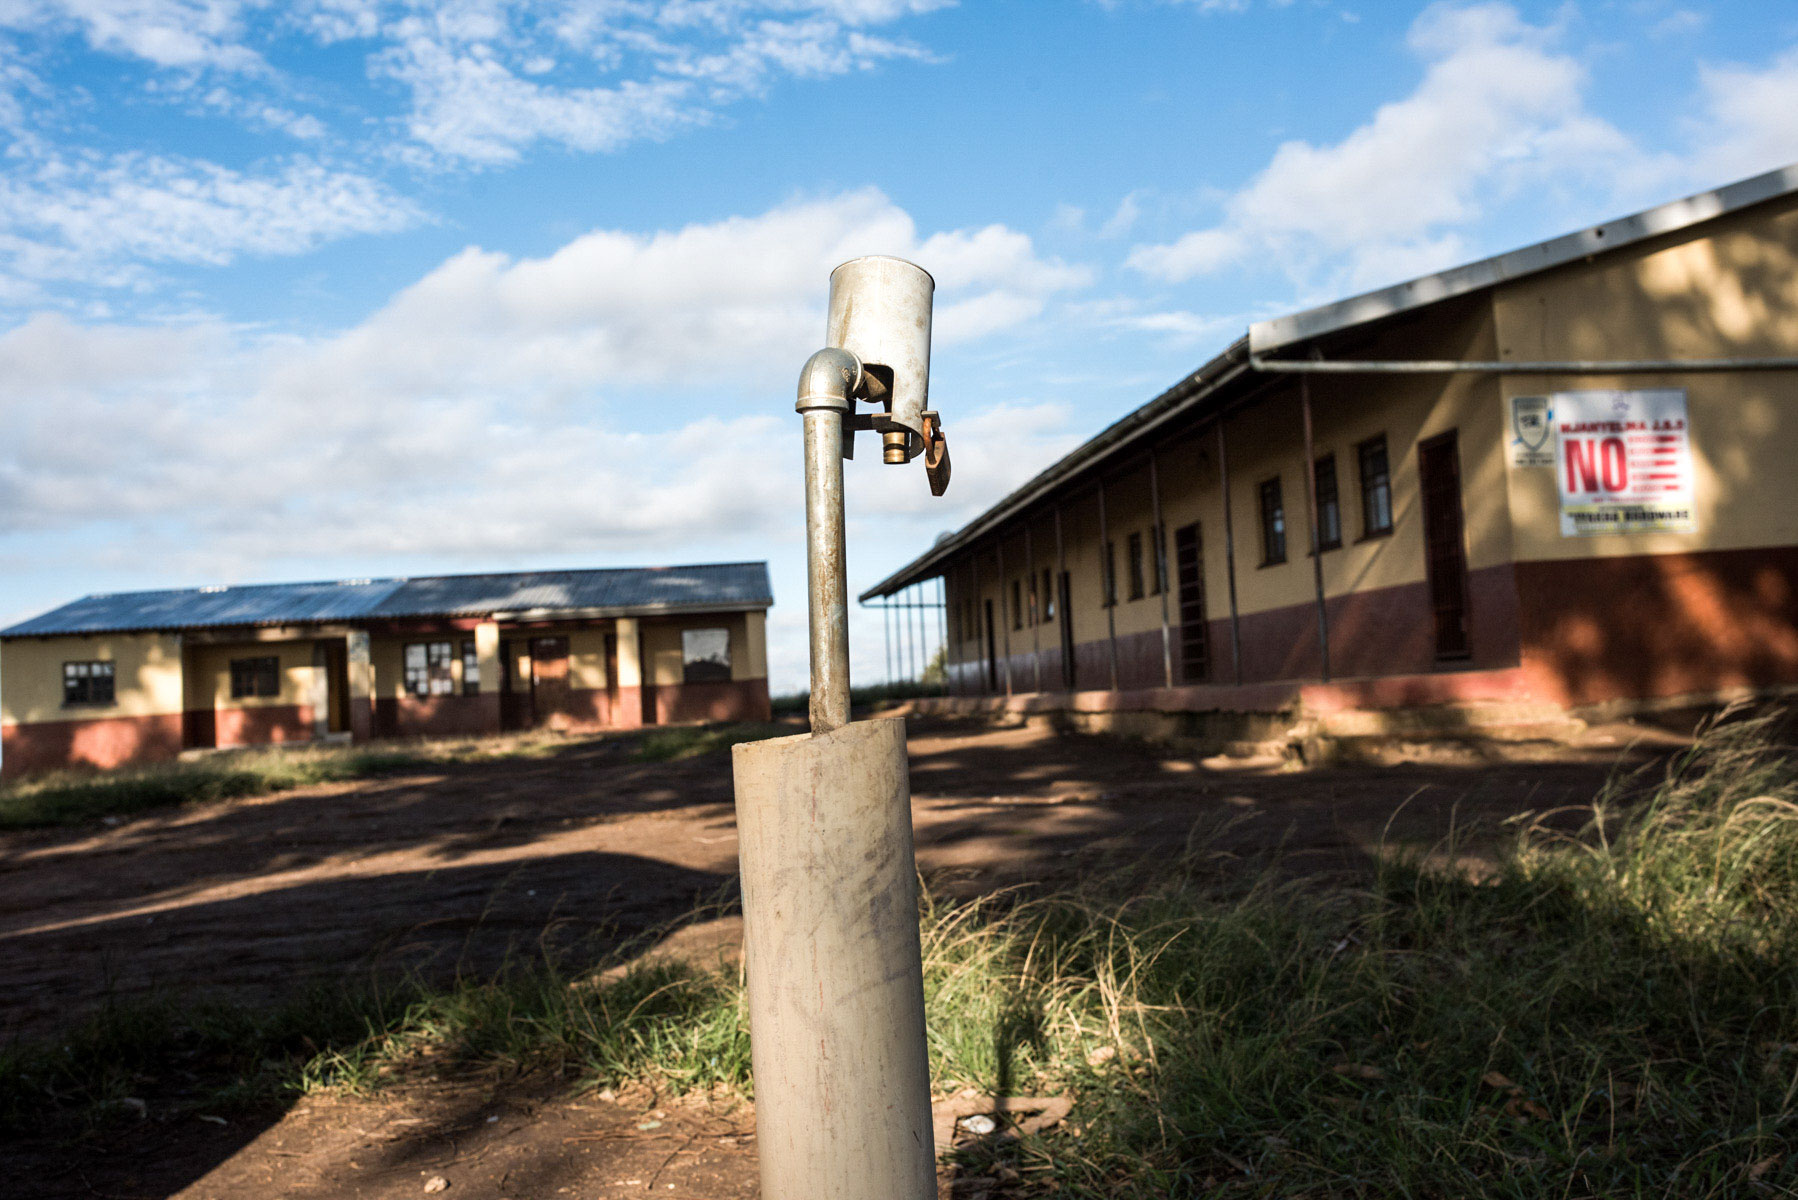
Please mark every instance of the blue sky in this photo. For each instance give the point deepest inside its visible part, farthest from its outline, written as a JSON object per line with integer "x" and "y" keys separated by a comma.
{"x": 347, "y": 287}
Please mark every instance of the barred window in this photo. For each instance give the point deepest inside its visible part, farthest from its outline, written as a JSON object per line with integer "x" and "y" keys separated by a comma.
{"x": 1273, "y": 523}
{"x": 428, "y": 669}
{"x": 1133, "y": 557}
{"x": 1329, "y": 507}
{"x": 1376, "y": 487}
{"x": 259, "y": 676}
{"x": 471, "y": 669}
{"x": 89, "y": 683}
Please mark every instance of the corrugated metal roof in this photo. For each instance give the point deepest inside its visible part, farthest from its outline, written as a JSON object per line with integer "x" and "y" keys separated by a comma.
{"x": 597, "y": 591}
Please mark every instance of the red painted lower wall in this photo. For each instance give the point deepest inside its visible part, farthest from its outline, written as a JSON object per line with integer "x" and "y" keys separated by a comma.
{"x": 1650, "y": 626}
{"x": 102, "y": 742}
{"x": 1373, "y": 633}
{"x": 436, "y": 716}
{"x": 725, "y": 700}
{"x": 264, "y": 725}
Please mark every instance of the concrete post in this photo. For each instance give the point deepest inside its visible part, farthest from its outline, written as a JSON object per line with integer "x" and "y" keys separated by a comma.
{"x": 362, "y": 685}
{"x": 486, "y": 654}
{"x": 630, "y": 675}
{"x": 836, "y": 988}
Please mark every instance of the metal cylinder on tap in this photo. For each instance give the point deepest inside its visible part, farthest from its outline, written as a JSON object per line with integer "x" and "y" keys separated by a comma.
{"x": 880, "y": 310}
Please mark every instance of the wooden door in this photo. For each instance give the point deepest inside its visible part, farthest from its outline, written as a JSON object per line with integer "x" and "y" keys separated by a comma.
{"x": 1195, "y": 629}
{"x": 549, "y": 677}
{"x": 611, "y": 678}
{"x": 1445, "y": 545}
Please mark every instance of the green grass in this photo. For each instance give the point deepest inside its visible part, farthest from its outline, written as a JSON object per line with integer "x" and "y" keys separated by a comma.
{"x": 1609, "y": 1014}
{"x": 74, "y": 796}
{"x": 690, "y": 741}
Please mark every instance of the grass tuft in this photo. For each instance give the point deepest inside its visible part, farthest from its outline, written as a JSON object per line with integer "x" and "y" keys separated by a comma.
{"x": 73, "y": 796}
{"x": 675, "y": 742}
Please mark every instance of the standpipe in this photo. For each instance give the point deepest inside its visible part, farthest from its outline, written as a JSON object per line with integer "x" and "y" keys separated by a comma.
{"x": 830, "y": 891}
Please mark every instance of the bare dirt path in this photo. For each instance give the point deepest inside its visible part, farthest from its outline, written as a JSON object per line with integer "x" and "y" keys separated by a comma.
{"x": 458, "y": 868}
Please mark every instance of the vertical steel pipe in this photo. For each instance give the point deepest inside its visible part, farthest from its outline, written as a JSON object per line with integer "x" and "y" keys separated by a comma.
{"x": 1064, "y": 616}
{"x": 1158, "y": 564}
{"x": 1109, "y": 583}
{"x": 1317, "y": 552}
{"x": 1223, "y": 470}
{"x": 1036, "y": 617}
{"x": 828, "y": 594}
{"x": 1004, "y": 621}
{"x": 943, "y": 625}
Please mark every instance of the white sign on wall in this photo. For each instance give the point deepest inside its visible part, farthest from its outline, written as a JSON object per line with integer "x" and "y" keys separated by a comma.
{"x": 1624, "y": 461}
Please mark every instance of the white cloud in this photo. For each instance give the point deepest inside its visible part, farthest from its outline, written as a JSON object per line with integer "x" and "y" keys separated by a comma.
{"x": 1748, "y": 118}
{"x": 1498, "y": 107}
{"x": 185, "y": 34}
{"x": 485, "y": 80}
{"x": 93, "y": 219}
{"x": 492, "y": 409}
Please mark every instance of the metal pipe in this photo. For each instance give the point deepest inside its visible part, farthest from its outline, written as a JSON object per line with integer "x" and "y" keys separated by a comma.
{"x": 943, "y": 626}
{"x": 828, "y": 598}
{"x": 1223, "y": 470}
{"x": 1004, "y": 621}
{"x": 1070, "y": 677}
{"x": 1036, "y": 617}
{"x": 1449, "y": 366}
{"x": 1317, "y": 552}
{"x": 923, "y": 634}
{"x": 1108, "y": 576}
{"x": 980, "y": 642}
{"x": 1158, "y": 564}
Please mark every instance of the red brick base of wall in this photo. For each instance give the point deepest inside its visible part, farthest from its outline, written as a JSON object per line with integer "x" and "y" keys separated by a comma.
{"x": 101, "y": 742}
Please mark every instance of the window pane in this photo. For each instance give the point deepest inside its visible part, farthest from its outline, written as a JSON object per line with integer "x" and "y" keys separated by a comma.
{"x": 1133, "y": 556}
{"x": 705, "y": 655}
{"x": 415, "y": 655}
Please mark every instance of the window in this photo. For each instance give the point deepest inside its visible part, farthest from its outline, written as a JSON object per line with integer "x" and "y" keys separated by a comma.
{"x": 1108, "y": 574}
{"x": 86, "y": 683}
{"x": 1273, "y": 523}
{"x": 260, "y": 676}
{"x": 1036, "y": 607}
{"x": 1158, "y": 575}
{"x": 1133, "y": 559}
{"x": 471, "y": 669}
{"x": 1017, "y": 604}
{"x": 705, "y": 655}
{"x": 428, "y": 669}
{"x": 1376, "y": 488}
{"x": 1048, "y": 597}
{"x": 1329, "y": 507}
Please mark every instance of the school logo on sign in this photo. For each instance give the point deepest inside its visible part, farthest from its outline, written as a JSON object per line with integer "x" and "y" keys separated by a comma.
{"x": 1532, "y": 431}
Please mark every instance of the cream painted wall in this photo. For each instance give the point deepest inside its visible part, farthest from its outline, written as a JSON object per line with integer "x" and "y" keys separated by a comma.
{"x": 1728, "y": 289}
{"x": 147, "y": 676}
{"x": 662, "y": 660}
{"x": 209, "y": 674}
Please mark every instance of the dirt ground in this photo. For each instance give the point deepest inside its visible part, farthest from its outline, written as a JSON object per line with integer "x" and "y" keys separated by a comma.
{"x": 458, "y": 868}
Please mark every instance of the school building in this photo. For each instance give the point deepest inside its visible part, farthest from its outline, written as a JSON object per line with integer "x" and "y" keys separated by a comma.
{"x": 1560, "y": 478}
{"x": 139, "y": 676}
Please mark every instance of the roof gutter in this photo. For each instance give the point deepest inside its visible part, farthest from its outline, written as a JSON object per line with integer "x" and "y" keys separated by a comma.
{"x": 1432, "y": 366}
